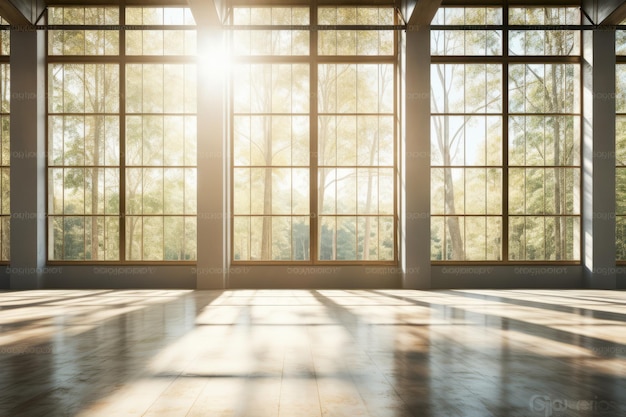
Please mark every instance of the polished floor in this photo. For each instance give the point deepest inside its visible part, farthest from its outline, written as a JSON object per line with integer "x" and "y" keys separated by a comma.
{"x": 313, "y": 353}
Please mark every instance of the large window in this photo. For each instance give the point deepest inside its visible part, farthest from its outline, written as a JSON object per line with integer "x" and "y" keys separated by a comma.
{"x": 466, "y": 140}
{"x": 5, "y": 149}
{"x": 313, "y": 135}
{"x": 620, "y": 146}
{"x": 505, "y": 167}
{"x": 121, "y": 135}
{"x": 544, "y": 137}
{"x": 271, "y": 123}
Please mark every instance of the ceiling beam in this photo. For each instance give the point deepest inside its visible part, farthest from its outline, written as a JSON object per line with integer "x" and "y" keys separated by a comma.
{"x": 420, "y": 12}
{"x": 133, "y": 3}
{"x": 512, "y": 3}
{"x": 21, "y": 12}
{"x": 605, "y": 12}
{"x": 208, "y": 12}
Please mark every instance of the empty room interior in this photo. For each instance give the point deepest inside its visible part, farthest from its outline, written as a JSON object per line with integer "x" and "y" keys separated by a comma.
{"x": 312, "y": 208}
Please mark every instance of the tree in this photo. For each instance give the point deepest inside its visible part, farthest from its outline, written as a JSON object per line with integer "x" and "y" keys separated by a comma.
{"x": 5, "y": 161}
{"x": 544, "y": 91}
{"x": 458, "y": 141}
{"x": 266, "y": 146}
{"x": 85, "y": 150}
{"x": 271, "y": 154}
{"x": 84, "y": 139}
{"x": 461, "y": 89}
{"x": 346, "y": 141}
{"x": 264, "y": 94}
{"x": 620, "y": 158}
{"x": 542, "y": 95}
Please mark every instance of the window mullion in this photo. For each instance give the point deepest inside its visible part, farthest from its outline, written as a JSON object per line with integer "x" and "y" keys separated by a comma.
{"x": 314, "y": 189}
{"x": 122, "y": 133}
{"x": 504, "y": 238}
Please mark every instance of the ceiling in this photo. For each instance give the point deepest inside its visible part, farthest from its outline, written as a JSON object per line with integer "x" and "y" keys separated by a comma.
{"x": 211, "y": 12}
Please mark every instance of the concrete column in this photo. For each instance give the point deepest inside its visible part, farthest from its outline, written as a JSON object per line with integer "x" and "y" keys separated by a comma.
{"x": 598, "y": 196}
{"x": 414, "y": 184}
{"x": 213, "y": 191}
{"x": 28, "y": 159}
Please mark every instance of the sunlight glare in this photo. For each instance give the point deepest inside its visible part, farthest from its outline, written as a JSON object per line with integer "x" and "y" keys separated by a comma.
{"x": 214, "y": 58}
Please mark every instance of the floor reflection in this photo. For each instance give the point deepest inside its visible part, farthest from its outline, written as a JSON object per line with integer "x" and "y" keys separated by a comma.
{"x": 313, "y": 353}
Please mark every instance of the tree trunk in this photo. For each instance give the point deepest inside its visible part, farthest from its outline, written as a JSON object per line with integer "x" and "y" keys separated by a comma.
{"x": 454, "y": 228}
{"x": 266, "y": 236}
{"x": 95, "y": 184}
{"x": 558, "y": 174}
{"x": 368, "y": 205}
{"x": 445, "y": 144}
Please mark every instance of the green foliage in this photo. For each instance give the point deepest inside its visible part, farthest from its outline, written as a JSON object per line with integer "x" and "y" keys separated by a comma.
{"x": 543, "y": 149}
{"x": 85, "y": 149}
{"x": 272, "y": 146}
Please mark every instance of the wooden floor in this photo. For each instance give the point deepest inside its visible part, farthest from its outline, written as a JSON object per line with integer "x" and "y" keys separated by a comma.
{"x": 312, "y": 353}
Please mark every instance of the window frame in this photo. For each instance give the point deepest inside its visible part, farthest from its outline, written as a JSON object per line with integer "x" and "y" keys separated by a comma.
{"x": 5, "y": 218}
{"x": 121, "y": 60}
{"x": 620, "y": 62}
{"x": 314, "y": 59}
{"x": 506, "y": 60}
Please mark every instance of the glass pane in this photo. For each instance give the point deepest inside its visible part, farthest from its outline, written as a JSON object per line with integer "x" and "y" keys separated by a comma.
{"x": 544, "y": 88}
{"x": 153, "y": 190}
{"x": 300, "y": 238}
{"x": 367, "y": 238}
{"x": 355, "y": 42}
{"x": 620, "y": 238}
{"x": 544, "y": 140}
{"x": 620, "y": 87}
{"x": 437, "y": 238}
{"x": 271, "y": 42}
{"x": 241, "y": 238}
{"x": 544, "y": 238}
{"x": 281, "y": 238}
{"x": 620, "y": 189}
{"x": 5, "y": 191}
{"x": 548, "y": 42}
{"x": 620, "y": 42}
{"x": 346, "y": 239}
{"x": 73, "y": 238}
{"x": 153, "y": 238}
{"x": 174, "y": 238}
{"x": 5, "y": 236}
{"x": 269, "y": 140}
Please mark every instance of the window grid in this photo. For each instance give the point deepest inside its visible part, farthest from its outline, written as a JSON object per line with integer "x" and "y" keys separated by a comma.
{"x": 271, "y": 120}
{"x": 366, "y": 175}
{"x": 620, "y": 158}
{"x": 260, "y": 169}
{"x": 5, "y": 40}
{"x": 162, "y": 229}
{"x": 5, "y": 144}
{"x": 316, "y": 60}
{"x": 160, "y": 149}
{"x": 568, "y": 218}
{"x": 160, "y": 32}
{"x": 459, "y": 215}
{"x": 620, "y": 144}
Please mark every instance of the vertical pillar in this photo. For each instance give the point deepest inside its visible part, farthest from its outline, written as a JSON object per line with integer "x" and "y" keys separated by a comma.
{"x": 599, "y": 159}
{"x": 414, "y": 185}
{"x": 213, "y": 191}
{"x": 28, "y": 159}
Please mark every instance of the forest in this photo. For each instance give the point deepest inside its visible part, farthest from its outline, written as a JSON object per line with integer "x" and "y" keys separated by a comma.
{"x": 121, "y": 139}
{"x": 314, "y": 136}
{"x": 276, "y": 136}
{"x": 505, "y": 175}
